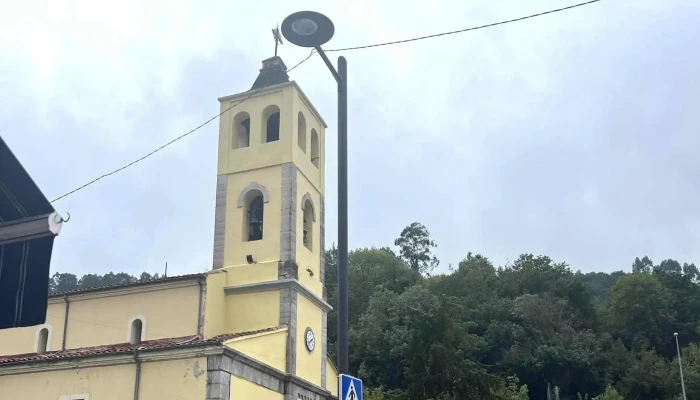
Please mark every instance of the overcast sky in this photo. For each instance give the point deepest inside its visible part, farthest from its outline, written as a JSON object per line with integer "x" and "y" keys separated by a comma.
{"x": 573, "y": 135}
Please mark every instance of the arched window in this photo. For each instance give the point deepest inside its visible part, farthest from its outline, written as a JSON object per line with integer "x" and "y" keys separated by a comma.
{"x": 315, "y": 151}
{"x": 271, "y": 124}
{"x": 136, "y": 331}
{"x": 308, "y": 225}
{"x": 254, "y": 203}
{"x": 42, "y": 342}
{"x": 301, "y": 132}
{"x": 241, "y": 130}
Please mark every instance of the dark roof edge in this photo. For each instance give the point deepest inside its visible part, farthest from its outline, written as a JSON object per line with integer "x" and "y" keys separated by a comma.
{"x": 24, "y": 171}
{"x": 130, "y": 284}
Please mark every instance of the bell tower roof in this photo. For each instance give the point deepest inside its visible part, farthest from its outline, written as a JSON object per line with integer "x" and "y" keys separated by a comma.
{"x": 273, "y": 72}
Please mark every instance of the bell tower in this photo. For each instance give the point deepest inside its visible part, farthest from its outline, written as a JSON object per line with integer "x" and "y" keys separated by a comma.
{"x": 269, "y": 215}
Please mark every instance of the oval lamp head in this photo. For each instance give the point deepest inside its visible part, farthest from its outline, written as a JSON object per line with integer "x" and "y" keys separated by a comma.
{"x": 307, "y": 29}
{"x": 675, "y": 334}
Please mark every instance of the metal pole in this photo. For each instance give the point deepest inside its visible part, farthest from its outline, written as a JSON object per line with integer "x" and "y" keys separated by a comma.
{"x": 343, "y": 347}
{"x": 680, "y": 365}
{"x": 341, "y": 76}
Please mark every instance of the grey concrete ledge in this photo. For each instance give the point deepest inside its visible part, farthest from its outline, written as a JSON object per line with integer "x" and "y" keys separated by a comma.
{"x": 247, "y": 368}
{"x": 276, "y": 285}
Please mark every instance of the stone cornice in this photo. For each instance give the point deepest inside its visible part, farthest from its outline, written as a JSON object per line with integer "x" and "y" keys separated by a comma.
{"x": 287, "y": 379}
{"x": 277, "y": 285}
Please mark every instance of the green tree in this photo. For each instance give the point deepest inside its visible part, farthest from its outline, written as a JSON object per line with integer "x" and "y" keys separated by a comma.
{"x": 639, "y": 311}
{"x": 368, "y": 271}
{"x": 62, "y": 282}
{"x": 416, "y": 248}
{"x": 416, "y": 342}
{"x": 648, "y": 377}
{"x": 609, "y": 394}
{"x": 511, "y": 390}
{"x": 643, "y": 265}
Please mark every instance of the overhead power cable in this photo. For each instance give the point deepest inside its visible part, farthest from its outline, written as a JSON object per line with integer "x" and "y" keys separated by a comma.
{"x": 308, "y": 57}
{"x": 174, "y": 140}
{"x": 463, "y": 30}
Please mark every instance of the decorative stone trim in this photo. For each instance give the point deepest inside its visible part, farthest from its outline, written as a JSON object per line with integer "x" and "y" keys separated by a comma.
{"x": 287, "y": 270}
{"x": 37, "y": 333}
{"x": 288, "y": 228}
{"x": 278, "y": 285}
{"x": 307, "y": 197}
{"x": 143, "y": 327}
{"x": 220, "y": 221}
{"x": 253, "y": 186}
{"x": 288, "y": 316}
{"x": 322, "y": 267}
{"x": 324, "y": 348}
{"x": 218, "y": 383}
{"x": 240, "y": 365}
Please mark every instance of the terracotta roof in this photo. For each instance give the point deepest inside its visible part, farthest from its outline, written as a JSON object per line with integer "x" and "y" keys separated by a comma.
{"x": 130, "y": 284}
{"x": 229, "y": 336}
{"x": 121, "y": 348}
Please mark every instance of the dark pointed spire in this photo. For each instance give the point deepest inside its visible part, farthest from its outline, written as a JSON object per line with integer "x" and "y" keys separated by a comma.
{"x": 273, "y": 72}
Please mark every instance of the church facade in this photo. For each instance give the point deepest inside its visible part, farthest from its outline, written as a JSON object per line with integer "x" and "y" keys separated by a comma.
{"x": 254, "y": 327}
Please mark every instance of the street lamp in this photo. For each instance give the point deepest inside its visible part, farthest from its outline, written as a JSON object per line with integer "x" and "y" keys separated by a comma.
{"x": 680, "y": 365}
{"x": 312, "y": 29}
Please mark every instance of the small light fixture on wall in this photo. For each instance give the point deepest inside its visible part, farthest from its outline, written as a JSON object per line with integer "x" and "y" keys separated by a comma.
{"x": 311, "y": 273}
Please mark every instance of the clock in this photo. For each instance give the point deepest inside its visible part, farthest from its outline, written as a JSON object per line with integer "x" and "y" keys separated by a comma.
{"x": 309, "y": 340}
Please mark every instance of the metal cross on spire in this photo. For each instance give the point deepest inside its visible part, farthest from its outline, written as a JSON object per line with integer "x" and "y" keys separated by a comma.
{"x": 278, "y": 37}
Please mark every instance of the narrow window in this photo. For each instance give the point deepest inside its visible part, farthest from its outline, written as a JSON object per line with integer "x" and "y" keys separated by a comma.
{"x": 43, "y": 341}
{"x": 308, "y": 225}
{"x": 301, "y": 132}
{"x": 241, "y": 130}
{"x": 254, "y": 209}
{"x": 315, "y": 155}
{"x": 271, "y": 124}
{"x": 136, "y": 331}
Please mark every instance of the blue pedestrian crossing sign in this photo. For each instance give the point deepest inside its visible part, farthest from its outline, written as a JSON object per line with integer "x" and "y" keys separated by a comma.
{"x": 349, "y": 388}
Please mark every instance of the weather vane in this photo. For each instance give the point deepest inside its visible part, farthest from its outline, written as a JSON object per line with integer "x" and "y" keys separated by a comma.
{"x": 278, "y": 37}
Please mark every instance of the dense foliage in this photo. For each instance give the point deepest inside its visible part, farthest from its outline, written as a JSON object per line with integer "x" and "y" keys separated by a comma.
{"x": 511, "y": 332}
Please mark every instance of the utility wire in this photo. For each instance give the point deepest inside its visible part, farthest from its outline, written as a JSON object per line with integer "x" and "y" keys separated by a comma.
{"x": 463, "y": 30}
{"x": 327, "y": 51}
{"x": 174, "y": 140}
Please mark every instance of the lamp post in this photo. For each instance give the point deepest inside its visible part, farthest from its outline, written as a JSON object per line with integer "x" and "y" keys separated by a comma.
{"x": 312, "y": 29}
{"x": 680, "y": 365}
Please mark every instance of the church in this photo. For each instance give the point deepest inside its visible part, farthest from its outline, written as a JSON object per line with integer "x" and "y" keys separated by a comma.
{"x": 253, "y": 327}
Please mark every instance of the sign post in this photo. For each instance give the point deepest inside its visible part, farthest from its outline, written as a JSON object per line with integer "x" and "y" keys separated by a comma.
{"x": 349, "y": 388}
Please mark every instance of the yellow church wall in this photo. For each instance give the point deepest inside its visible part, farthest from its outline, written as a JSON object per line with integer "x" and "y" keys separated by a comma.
{"x": 105, "y": 320}
{"x": 267, "y": 249}
{"x": 308, "y": 364}
{"x": 103, "y": 383}
{"x": 215, "y": 304}
{"x": 303, "y": 159}
{"x": 269, "y": 348}
{"x": 331, "y": 378}
{"x": 257, "y": 154}
{"x": 309, "y": 258}
{"x": 23, "y": 340}
{"x": 252, "y": 273}
{"x": 172, "y": 379}
{"x": 183, "y": 379}
{"x": 252, "y": 311}
{"x": 242, "y": 389}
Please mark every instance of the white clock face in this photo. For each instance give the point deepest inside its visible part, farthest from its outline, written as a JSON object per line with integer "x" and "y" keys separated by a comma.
{"x": 310, "y": 340}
